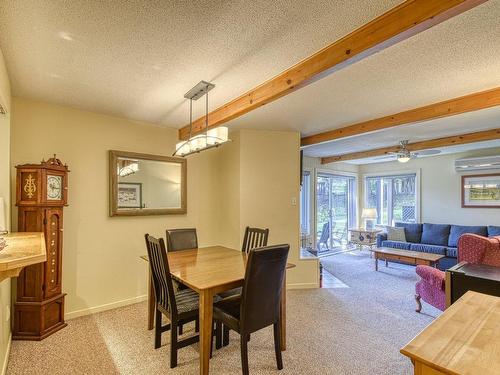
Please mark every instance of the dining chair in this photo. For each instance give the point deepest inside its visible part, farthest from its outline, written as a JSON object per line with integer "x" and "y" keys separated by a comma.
{"x": 253, "y": 239}
{"x": 181, "y": 239}
{"x": 180, "y": 306}
{"x": 258, "y": 306}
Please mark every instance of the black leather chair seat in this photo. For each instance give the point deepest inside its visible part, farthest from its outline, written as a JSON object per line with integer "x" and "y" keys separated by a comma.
{"x": 228, "y": 311}
{"x": 231, "y": 293}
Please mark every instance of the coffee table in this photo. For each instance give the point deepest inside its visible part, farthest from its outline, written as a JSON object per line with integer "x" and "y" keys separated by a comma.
{"x": 406, "y": 256}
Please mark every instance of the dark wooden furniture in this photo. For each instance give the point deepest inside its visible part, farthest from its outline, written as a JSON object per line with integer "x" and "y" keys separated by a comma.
{"x": 254, "y": 238}
{"x": 258, "y": 306}
{"x": 405, "y": 256}
{"x": 41, "y": 194}
{"x": 179, "y": 306}
{"x": 181, "y": 239}
{"x": 209, "y": 271}
{"x": 465, "y": 276}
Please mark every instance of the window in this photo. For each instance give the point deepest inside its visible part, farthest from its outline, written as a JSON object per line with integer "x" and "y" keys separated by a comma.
{"x": 305, "y": 203}
{"x": 394, "y": 197}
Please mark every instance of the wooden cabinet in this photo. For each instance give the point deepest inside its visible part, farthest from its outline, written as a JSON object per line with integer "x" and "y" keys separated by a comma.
{"x": 41, "y": 196}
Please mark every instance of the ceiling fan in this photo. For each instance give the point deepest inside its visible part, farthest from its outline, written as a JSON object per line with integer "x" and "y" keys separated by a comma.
{"x": 403, "y": 155}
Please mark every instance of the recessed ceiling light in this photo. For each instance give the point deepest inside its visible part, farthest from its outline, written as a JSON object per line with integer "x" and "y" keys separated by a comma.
{"x": 65, "y": 35}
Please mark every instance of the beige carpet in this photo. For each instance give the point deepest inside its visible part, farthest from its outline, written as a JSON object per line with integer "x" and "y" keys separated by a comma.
{"x": 330, "y": 331}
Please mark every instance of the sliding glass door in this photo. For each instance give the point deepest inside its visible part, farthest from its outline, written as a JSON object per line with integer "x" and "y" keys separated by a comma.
{"x": 394, "y": 197}
{"x": 335, "y": 210}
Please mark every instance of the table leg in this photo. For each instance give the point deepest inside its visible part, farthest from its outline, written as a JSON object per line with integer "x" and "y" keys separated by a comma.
{"x": 151, "y": 303}
{"x": 376, "y": 262}
{"x": 283, "y": 315}
{"x": 206, "y": 310}
{"x": 386, "y": 262}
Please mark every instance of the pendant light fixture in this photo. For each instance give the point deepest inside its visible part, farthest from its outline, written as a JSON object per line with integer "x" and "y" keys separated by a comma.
{"x": 211, "y": 137}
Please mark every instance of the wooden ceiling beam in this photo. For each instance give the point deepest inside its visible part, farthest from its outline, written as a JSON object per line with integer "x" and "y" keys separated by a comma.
{"x": 486, "y": 135}
{"x": 463, "y": 104}
{"x": 394, "y": 26}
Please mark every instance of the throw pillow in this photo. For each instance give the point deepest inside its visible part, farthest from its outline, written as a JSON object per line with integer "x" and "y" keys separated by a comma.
{"x": 396, "y": 234}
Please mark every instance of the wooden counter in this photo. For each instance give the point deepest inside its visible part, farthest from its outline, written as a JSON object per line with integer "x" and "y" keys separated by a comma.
{"x": 23, "y": 249}
{"x": 465, "y": 339}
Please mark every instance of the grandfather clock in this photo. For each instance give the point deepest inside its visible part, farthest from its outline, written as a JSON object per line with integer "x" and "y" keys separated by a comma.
{"x": 41, "y": 194}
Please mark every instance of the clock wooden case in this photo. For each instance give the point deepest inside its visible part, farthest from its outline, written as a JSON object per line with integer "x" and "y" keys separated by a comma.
{"x": 41, "y": 194}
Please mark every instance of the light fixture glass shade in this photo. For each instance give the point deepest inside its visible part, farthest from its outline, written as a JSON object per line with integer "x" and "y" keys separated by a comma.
{"x": 198, "y": 142}
{"x": 183, "y": 148}
{"x": 369, "y": 213}
{"x": 217, "y": 135}
{"x": 404, "y": 159}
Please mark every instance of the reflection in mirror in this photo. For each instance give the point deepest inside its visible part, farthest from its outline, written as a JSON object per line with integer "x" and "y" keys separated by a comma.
{"x": 146, "y": 184}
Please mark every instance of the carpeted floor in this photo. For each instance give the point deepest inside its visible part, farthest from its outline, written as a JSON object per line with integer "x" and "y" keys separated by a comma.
{"x": 355, "y": 330}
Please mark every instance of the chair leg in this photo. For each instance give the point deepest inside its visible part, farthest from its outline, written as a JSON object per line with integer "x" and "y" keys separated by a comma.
{"x": 158, "y": 329}
{"x": 173, "y": 344}
{"x": 419, "y": 304}
{"x": 218, "y": 335}
{"x": 277, "y": 345}
{"x": 225, "y": 336}
{"x": 244, "y": 354}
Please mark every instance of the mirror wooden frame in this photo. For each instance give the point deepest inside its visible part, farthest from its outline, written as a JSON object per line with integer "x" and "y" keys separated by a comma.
{"x": 113, "y": 185}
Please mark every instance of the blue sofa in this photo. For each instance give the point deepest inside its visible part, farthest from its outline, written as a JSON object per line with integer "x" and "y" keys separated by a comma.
{"x": 436, "y": 239}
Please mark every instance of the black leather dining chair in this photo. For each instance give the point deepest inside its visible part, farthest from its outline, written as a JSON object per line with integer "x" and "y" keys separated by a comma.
{"x": 253, "y": 239}
{"x": 179, "y": 306}
{"x": 181, "y": 239}
{"x": 258, "y": 306}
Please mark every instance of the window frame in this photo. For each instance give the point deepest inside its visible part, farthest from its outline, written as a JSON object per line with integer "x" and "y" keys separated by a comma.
{"x": 389, "y": 174}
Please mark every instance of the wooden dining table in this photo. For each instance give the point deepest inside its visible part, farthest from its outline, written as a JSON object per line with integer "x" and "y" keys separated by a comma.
{"x": 208, "y": 271}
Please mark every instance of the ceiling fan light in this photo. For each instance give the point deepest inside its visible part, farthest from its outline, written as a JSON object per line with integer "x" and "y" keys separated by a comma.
{"x": 404, "y": 159}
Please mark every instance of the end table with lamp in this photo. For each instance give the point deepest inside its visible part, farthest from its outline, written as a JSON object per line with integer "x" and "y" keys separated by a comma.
{"x": 367, "y": 235}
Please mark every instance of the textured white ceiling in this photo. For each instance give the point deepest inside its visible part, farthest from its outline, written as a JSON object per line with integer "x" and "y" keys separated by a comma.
{"x": 455, "y": 58}
{"x": 136, "y": 58}
{"x": 460, "y": 124}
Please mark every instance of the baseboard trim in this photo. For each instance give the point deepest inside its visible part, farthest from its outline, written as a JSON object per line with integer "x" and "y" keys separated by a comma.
{"x": 303, "y": 286}
{"x": 107, "y": 306}
{"x": 7, "y": 354}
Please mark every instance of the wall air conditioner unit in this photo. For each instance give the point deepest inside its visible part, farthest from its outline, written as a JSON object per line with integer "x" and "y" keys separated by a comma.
{"x": 477, "y": 164}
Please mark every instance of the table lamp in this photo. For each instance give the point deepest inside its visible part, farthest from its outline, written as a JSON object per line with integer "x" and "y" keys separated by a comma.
{"x": 369, "y": 215}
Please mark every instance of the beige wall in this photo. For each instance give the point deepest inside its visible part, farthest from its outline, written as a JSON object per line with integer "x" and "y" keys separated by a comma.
{"x": 101, "y": 265}
{"x": 269, "y": 178}
{"x": 5, "y": 323}
{"x": 440, "y": 188}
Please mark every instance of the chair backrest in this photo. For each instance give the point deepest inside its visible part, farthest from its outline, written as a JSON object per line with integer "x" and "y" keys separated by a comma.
{"x": 260, "y": 297}
{"x": 160, "y": 273}
{"x": 254, "y": 238}
{"x": 181, "y": 239}
{"x": 476, "y": 249}
{"x": 325, "y": 232}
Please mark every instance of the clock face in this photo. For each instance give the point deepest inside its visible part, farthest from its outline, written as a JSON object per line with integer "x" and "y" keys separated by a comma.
{"x": 54, "y": 187}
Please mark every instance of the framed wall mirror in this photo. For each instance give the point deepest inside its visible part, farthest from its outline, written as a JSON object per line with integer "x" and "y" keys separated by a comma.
{"x": 143, "y": 184}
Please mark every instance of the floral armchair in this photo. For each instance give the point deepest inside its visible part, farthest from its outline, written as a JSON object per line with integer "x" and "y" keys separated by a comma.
{"x": 472, "y": 249}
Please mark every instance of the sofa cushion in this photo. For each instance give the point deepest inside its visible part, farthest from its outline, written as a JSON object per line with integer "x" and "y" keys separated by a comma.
{"x": 396, "y": 245}
{"x": 493, "y": 231}
{"x": 457, "y": 230}
{"x": 452, "y": 252}
{"x": 380, "y": 238}
{"x": 424, "y": 248}
{"x": 396, "y": 234}
{"x": 435, "y": 234}
{"x": 413, "y": 232}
